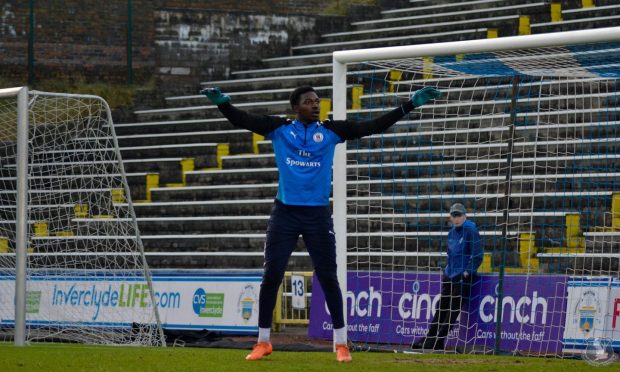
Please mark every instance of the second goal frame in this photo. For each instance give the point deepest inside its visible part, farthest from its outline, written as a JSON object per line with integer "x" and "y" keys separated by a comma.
{"x": 342, "y": 58}
{"x": 66, "y": 218}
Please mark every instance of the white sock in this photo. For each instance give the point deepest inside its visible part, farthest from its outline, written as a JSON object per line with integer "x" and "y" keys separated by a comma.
{"x": 340, "y": 336}
{"x": 264, "y": 334}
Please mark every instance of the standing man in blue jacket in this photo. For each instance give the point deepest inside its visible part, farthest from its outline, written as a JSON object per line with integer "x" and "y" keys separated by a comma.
{"x": 304, "y": 150}
{"x": 465, "y": 255}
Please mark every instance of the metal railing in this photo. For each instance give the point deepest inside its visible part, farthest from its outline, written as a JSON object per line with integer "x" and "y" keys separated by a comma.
{"x": 293, "y": 301}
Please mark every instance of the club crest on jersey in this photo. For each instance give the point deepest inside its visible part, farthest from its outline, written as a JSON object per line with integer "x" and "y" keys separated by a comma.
{"x": 317, "y": 137}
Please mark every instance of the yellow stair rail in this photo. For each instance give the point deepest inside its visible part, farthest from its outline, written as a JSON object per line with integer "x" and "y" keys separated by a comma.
{"x": 356, "y": 97}
{"x": 284, "y": 313}
{"x": 152, "y": 181}
{"x": 427, "y": 68}
{"x": 326, "y": 106}
{"x": 395, "y": 75}
{"x": 615, "y": 212}
{"x": 525, "y": 27}
{"x": 556, "y": 11}
{"x": 255, "y": 139}
{"x": 223, "y": 149}
{"x": 527, "y": 252}
{"x": 118, "y": 196}
{"x": 41, "y": 229}
{"x": 587, "y": 4}
{"x": 4, "y": 245}
{"x": 187, "y": 165}
{"x": 80, "y": 210}
{"x": 574, "y": 234}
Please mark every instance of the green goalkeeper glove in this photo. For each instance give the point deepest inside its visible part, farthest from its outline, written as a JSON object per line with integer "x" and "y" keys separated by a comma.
{"x": 215, "y": 96}
{"x": 420, "y": 97}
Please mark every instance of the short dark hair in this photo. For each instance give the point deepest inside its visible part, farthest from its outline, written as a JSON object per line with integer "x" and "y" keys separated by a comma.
{"x": 294, "y": 98}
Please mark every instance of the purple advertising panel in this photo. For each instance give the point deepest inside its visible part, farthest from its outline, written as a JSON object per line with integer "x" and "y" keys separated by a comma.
{"x": 397, "y": 308}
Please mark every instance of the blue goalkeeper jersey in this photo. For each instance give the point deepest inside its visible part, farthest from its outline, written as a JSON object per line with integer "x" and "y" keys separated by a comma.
{"x": 304, "y": 155}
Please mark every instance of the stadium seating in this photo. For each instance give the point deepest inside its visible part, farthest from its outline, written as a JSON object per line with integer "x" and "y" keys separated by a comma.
{"x": 214, "y": 215}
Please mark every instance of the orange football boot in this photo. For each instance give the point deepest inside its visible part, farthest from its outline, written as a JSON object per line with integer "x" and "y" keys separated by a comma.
{"x": 260, "y": 350}
{"x": 342, "y": 353}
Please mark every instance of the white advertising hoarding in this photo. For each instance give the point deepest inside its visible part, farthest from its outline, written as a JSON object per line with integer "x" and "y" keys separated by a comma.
{"x": 592, "y": 311}
{"x": 225, "y": 303}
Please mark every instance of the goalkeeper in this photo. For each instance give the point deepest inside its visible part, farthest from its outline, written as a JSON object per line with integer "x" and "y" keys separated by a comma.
{"x": 304, "y": 151}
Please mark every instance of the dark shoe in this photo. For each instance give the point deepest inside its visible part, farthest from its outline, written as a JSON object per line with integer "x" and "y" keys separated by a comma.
{"x": 423, "y": 345}
{"x": 433, "y": 346}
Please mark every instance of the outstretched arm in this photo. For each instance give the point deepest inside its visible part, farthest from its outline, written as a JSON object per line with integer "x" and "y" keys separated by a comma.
{"x": 352, "y": 130}
{"x": 261, "y": 124}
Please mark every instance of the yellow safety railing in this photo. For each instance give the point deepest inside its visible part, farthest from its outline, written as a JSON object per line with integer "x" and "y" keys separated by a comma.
{"x": 4, "y": 245}
{"x": 285, "y": 313}
{"x": 356, "y": 97}
{"x": 326, "y": 107}
{"x": 525, "y": 27}
{"x": 556, "y": 11}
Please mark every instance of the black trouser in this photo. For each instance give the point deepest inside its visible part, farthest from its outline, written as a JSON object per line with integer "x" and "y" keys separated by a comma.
{"x": 453, "y": 291}
{"x": 315, "y": 224}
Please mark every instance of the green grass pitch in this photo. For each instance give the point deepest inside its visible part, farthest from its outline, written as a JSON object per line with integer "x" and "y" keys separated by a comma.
{"x": 57, "y": 357}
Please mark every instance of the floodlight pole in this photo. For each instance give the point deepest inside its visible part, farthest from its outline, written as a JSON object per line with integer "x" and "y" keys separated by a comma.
{"x": 129, "y": 43}
{"x": 31, "y": 42}
{"x": 339, "y": 99}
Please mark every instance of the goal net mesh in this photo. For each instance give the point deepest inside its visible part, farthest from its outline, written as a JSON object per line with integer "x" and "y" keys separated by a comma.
{"x": 529, "y": 142}
{"x": 87, "y": 280}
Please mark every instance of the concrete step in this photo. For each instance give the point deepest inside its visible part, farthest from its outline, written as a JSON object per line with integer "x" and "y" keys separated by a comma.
{"x": 215, "y": 192}
{"x": 232, "y": 176}
{"x": 187, "y": 260}
{"x": 479, "y": 9}
{"x": 599, "y": 11}
{"x": 299, "y": 59}
{"x": 239, "y": 140}
{"x": 204, "y": 154}
{"x": 391, "y": 40}
{"x": 205, "y": 208}
{"x": 506, "y": 24}
{"x": 610, "y": 20}
{"x": 173, "y": 126}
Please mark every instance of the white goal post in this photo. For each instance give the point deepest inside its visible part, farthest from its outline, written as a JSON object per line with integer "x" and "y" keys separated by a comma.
{"x": 21, "y": 215}
{"x": 342, "y": 60}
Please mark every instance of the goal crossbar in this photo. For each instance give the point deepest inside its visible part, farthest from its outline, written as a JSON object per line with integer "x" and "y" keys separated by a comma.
{"x": 479, "y": 46}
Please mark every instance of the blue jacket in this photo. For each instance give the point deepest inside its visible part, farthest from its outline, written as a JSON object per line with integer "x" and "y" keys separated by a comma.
{"x": 465, "y": 251}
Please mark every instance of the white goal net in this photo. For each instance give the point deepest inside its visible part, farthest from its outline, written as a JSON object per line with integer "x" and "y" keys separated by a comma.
{"x": 528, "y": 140}
{"x": 86, "y": 276}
